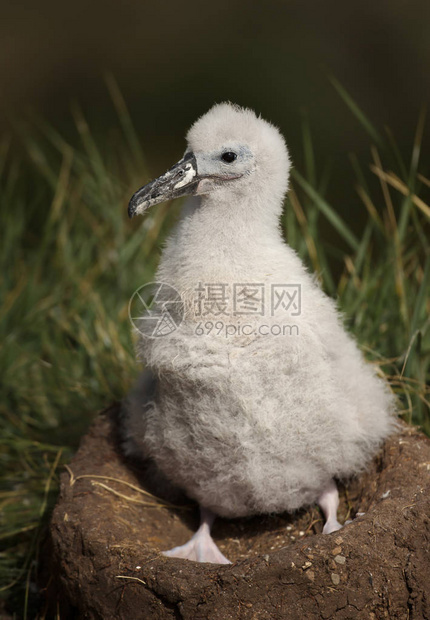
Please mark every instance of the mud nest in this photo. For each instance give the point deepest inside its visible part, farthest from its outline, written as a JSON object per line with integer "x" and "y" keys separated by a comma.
{"x": 106, "y": 535}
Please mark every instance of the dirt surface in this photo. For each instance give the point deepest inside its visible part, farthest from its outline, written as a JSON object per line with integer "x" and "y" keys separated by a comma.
{"x": 106, "y": 537}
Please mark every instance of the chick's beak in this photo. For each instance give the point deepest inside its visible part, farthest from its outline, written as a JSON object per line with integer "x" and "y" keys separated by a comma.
{"x": 181, "y": 180}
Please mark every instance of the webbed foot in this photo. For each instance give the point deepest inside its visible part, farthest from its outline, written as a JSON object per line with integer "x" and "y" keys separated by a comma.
{"x": 201, "y": 547}
{"x": 331, "y": 526}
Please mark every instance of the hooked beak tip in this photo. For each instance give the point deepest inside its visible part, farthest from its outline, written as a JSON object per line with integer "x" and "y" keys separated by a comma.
{"x": 136, "y": 204}
{"x": 131, "y": 210}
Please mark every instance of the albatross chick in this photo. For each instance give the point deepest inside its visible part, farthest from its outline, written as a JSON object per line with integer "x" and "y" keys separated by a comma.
{"x": 259, "y": 399}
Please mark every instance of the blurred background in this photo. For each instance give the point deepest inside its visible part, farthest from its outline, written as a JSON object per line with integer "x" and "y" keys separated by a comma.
{"x": 96, "y": 98}
{"x": 173, "y": 60}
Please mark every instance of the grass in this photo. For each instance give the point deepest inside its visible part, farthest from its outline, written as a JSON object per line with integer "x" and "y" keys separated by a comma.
{"x": 71, "y": 259}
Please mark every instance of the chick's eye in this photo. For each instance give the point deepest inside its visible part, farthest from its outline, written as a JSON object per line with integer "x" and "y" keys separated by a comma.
{"x": 228, "y": 157}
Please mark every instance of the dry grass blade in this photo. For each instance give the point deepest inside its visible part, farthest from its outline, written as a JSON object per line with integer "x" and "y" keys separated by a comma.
{"x": 301, "y": 218}
{"x": 127, "y": 498}
{"x": 394, "y": 181}
{"x": 92, "y": 478}
{"x": 63, "y": 184}
{"x": 352, "y": 271}
{"x": 371, "y": 209}
{"x": 131, "y": 579}
{"x": 399, "y": 271}
{"x": 423, "y": 179}
{"x": 385, "y": 191}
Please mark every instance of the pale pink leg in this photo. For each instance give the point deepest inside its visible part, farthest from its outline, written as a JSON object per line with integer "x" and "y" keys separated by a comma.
{"x": 329, "y": 502}
{"x": 201, "y": 547}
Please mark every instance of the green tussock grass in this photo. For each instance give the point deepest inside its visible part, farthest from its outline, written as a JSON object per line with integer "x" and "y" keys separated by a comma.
{"x": 71, "y": 259}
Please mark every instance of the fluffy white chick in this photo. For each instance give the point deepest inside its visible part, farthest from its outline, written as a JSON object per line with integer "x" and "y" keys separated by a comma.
{"x": 262, "y": 419}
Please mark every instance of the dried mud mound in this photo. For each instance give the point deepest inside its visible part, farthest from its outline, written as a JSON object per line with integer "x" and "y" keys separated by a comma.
{"x": 105, "y": 546}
